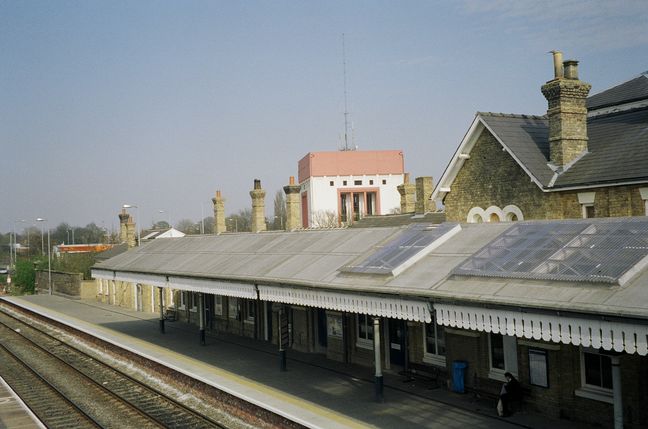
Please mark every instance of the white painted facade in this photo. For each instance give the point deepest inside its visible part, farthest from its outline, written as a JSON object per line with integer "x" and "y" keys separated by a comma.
{"x": 322, "y": 198}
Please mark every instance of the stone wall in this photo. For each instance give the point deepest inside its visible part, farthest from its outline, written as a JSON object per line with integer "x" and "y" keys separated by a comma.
{"x": 491, "y": 177}
{"x": 68, "y": 284}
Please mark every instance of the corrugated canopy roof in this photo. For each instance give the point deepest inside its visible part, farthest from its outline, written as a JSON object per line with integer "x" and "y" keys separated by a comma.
{"x": 312, "y": 260}
{"x": 595, "y": 250}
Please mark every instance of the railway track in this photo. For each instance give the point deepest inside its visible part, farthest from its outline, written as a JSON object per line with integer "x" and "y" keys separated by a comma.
{"x": 65, "y": 387}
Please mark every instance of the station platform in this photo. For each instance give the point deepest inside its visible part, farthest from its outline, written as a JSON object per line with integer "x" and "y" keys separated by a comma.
{"x": 314, "y": 391}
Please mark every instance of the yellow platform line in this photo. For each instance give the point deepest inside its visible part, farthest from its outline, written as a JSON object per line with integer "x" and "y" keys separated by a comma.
{"x": 233, "y": 377}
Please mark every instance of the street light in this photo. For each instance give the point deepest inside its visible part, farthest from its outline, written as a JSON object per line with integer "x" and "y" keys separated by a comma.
{"x": 280, "y": 221}
{"x": 168, "y": 216}
{"x": 15, "y": 242}
{"x": 49, "y": 255}
{"x": 128, "y": 206}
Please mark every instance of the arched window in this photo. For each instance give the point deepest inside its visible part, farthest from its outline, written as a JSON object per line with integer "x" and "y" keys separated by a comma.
{"x": 494, "y": 218}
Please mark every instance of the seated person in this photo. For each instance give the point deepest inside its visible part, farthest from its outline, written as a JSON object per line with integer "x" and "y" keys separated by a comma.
{"x": 511, "y": 393}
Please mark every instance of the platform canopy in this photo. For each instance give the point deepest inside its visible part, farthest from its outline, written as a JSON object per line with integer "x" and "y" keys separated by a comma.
{"x": 233, "y": 289}
{"x": 608, "y": 335}
{"x": 392, "y": 307}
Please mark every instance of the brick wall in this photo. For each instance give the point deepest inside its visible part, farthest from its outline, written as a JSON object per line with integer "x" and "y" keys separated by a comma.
{"x": 491, "y": 177}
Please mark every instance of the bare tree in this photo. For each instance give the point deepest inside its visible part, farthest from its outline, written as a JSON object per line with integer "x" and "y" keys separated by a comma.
{"x": 325, "y": 219}
{"x": 242, "y": 221}
{"x": 279, "y": 219}
{"x": 187, "y": 226}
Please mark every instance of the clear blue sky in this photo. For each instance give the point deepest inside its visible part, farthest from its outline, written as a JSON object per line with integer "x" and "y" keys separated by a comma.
{"x": 161, "y": 103}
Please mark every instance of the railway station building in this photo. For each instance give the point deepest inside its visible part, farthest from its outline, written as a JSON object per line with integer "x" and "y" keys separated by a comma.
{"x": 541, "y": 269}
{"x": 560, "y": 304}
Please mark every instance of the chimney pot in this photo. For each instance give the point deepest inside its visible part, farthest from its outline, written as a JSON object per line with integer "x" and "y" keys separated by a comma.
{"x": 406, "y": 179}
{"x": 292, "y": 180}
{"x": 558, "y": 64}
{"x": 257, "y": 184}
{"x": 571, "y": 69}
{"x": 218, "y": 194}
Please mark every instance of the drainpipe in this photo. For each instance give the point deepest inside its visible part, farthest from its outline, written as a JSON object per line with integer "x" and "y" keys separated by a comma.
{"x": 161, "y": 309}
{"x": 379, "y": 376}
{"x": 616, "y": 392}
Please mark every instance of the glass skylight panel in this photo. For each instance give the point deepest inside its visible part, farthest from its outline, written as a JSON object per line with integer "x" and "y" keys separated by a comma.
{"x": 596, "y": 250}
{"x": 405, "y": 249}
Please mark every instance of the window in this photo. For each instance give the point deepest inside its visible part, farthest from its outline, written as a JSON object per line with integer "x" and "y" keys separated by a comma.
{"x": 371, "y": 181}
{"x": 193, "y": 301}
{"x": 218, "y": 305}
{"x": 365, "y": 331}
{"x": 331, "y": 183}
{"x": 586, "y": 200}
{"x": 344, "y": 183}
{"x": 250, "y": 310}
{"x": 643, "y": 193}
{"x": 371, "y": 203}
{"x": 232, "y": 308}
{"x": 597, "y": 370}
{"x": 503, "y": 355}
{"x": 588, "y": 211}
{"x": 183, "y": 299}
{"x": 357, "y": 182}
{"x": 434, "y": 343}
{"x": 384, "y": 181}
{"x": 596, "y": 376}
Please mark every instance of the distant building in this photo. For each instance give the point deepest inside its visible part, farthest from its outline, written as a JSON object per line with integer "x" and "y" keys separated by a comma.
{"x": 81, "y": 248}
{"x": 344, "y": 186}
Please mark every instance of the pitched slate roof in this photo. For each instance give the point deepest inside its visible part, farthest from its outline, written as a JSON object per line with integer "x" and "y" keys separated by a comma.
{"x": 527, "y": 137}
{"x": 618, "y": 151}
{"x": 617, "y": 148}
{"x": 632, "y": 90}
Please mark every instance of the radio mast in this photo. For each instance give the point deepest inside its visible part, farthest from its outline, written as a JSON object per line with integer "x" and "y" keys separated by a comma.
{"x": 346, "y": 110}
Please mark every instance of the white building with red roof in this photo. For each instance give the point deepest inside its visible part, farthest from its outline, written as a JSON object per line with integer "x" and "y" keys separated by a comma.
{"x": 343, "y": 186}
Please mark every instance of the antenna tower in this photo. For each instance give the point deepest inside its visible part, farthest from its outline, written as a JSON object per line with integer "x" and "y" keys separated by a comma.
{"x": 346, "y": 111}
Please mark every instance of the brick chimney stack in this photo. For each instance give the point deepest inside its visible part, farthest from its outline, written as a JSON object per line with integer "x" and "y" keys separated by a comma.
{"x": 126, "y": 229}
{"x": 407, "y": 192}
{"x": 258, "y": 207}
{"x": 293, "y": 205}
{"x": 567, "y": 111}
{"x": 424, "y": 188}
{"x": 219, "y": 213}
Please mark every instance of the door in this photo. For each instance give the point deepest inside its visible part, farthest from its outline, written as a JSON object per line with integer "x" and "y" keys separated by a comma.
{"x": 396, "y": 336}
{"x": 209, "y": 310}
{"x": 322, "y": 337}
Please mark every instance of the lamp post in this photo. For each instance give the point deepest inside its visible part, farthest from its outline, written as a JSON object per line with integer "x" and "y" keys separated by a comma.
{"x": 15, "y": 242}
{"x": 168, "y": 216}
{"x": 235, "y": 223}
{"x": 49, "y": 256}
{"x": 128, "y": 206}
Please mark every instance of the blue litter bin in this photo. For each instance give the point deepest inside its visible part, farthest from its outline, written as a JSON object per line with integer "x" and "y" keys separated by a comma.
{"x": 458, "y": 375}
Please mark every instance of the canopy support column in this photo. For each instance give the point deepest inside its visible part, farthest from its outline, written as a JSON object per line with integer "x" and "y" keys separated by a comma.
{"x": 378, "y": 364}
{"x": 616, "y": 392}
{"x": 201, "y": 317}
